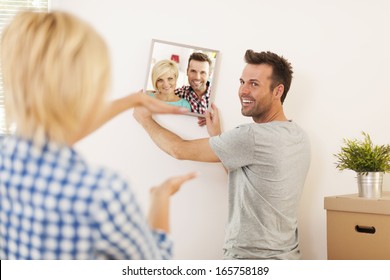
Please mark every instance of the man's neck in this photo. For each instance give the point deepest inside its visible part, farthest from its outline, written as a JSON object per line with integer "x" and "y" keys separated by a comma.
{"x": 202, "y": 92}
{"x": 277, "y": 115}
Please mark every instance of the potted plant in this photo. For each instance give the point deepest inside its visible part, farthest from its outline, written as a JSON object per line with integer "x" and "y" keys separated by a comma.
{"x": 369, "y": 161}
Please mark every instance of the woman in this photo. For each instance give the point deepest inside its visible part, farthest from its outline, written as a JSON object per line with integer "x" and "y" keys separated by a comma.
{"x": 164, "y": 78}
{"x": 53, "y": 204}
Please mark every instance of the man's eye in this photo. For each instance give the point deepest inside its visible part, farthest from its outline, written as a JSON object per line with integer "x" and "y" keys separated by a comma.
{"x": 254, "y": 84}
{"x": 241, "y": 82}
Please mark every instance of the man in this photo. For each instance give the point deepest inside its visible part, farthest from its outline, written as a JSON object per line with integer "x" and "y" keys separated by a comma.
{"x": 267, "y": 161}
{"x": 198, "y": 92}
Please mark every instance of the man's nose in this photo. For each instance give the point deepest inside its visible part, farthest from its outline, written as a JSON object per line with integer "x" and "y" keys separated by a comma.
{"x": 244, "y": 89}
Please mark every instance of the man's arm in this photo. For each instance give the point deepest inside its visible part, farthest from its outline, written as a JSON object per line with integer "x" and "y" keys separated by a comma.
{"x": 172, "y": 144}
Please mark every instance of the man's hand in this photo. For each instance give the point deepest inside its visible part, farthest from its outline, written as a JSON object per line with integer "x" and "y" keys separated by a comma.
{"x": 212, "y": 121}
{"x": 201, "y": 121}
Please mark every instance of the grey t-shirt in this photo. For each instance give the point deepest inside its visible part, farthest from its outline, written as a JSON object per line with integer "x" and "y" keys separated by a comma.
{"x": 267, "y": 165}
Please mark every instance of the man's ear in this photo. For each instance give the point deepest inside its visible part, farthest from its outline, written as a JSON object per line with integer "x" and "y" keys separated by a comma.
{"x": 278, "y": 91}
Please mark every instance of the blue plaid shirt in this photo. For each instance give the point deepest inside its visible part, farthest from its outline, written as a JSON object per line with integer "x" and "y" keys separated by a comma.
{"x": 54, "y": 206}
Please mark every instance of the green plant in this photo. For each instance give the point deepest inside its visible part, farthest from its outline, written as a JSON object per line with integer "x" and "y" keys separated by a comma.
{"x": 363, "y": 156}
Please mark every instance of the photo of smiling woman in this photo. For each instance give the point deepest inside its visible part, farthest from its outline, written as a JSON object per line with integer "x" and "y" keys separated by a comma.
{"x": 164, "y": 79}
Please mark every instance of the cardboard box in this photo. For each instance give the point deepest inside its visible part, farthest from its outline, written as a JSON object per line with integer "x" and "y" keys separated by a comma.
{"x": 358, "y": 228}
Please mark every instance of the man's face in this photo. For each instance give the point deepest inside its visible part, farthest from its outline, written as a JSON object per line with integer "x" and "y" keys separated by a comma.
{"x": 198, "y": 73}
{"x": 255, "y": 94}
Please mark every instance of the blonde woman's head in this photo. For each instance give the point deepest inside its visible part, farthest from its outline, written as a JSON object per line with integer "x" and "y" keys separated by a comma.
{"x": 162, "y": 68}
{"x": 56, "y": 74}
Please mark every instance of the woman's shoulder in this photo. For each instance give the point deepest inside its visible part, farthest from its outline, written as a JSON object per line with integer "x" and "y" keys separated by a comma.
{"x": 184, "y": 103}
{"x": 151, "y": 94}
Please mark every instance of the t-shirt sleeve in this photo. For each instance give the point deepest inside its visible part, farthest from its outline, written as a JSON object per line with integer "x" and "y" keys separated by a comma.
{"x": 235, "y": 148}
{"x": 122, "y": 231}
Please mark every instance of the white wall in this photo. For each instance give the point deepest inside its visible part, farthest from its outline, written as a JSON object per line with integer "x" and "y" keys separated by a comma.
{"x": 340, "y": 53}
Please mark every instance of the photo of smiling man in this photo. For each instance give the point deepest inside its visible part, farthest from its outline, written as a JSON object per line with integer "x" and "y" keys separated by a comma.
{"x": 197, "y": 93}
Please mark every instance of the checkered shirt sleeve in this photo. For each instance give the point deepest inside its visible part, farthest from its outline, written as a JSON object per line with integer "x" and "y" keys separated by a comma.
{"x": 198, "y": 105}
{"x": 54, "y": 206}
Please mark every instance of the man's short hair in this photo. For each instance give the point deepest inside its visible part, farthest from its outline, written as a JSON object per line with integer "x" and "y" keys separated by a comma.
{"x": 198, "y": 56}
{"x": 281, "y": 68}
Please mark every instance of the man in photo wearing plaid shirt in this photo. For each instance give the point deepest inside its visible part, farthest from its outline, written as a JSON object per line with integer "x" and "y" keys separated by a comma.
{"x": 197, "y": 93}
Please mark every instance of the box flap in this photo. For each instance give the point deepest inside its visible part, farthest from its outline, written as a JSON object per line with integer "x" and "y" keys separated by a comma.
{"x": 354, "y": 203}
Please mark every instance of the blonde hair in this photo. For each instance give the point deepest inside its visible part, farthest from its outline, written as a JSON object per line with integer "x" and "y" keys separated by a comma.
{"x": 161, "y": 68}
{"x": 56, "y": 72}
